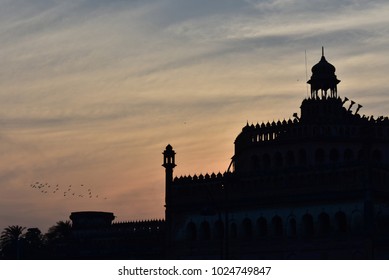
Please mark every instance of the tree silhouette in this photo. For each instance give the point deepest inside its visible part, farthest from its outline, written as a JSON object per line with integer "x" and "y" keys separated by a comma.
{"x": 10, "y": 241}
{"x": 33, "y": 244}
{"x": 60, "y": 231}
{"x": 59, "y": 240}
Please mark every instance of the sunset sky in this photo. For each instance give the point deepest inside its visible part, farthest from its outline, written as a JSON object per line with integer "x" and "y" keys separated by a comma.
{"x": 92, "y": 91}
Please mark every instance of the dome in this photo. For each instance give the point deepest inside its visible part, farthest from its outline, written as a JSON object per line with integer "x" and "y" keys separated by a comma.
{"x": 169, "y": 147}
{"x": 323, "y": 79}
{"x": 323, "y": 68}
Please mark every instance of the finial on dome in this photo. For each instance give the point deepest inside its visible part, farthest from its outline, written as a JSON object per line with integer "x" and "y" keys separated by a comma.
{"x": 322, "y": 51}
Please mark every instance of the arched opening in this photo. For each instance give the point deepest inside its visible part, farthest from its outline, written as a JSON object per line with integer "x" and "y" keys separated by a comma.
{"x": 247, "y": 228}
{"x": 328, "y": 131}
{"x": 315, "y": 131}
{"x": 191, "y": 231}
{"x": 233, "y": 231}
{"x": 357, "y": 222}
{"x": 376, "y": 156}
{"x": 348, "y": 155}
{"x": 341, "y": 222}
{"x": 205, "y": 231}
{"x": 382, "y": 223}
{"x": 324, "y": 224}
{"x": 334, "y": 155}
{"x": 290, "y": 160}
{"x": 279, "y": 161}
{"x": 319, "y": 156}
{"x": 362, "y": 154}
{"x": 219, "y": 229}
{"x": 292, "y": 227}
{"x": 308, "y": 229}
{"x": 262, "y": 227}
{"x": 266, "y": 161}
{"x": 277, "y": 226}
{"x": 302, "y": 157}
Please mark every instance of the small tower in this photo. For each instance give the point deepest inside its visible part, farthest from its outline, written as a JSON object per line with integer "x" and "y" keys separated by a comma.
{"x": 169, "y": 163}
{"x": 323, "y": 78}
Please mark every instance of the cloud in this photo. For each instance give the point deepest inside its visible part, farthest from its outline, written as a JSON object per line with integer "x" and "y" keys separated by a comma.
{"x": 92, "y": 91}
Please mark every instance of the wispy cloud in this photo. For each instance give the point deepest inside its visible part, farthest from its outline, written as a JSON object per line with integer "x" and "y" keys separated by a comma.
{"x": 92, "y": 91}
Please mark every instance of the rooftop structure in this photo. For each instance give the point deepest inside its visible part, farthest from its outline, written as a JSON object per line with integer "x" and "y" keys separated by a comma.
{"x": 311, "y": 187}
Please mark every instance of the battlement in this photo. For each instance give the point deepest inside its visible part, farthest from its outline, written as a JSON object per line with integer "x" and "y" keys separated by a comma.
{"x": 141, "y": 226}
{"x": 138, "y": 222}
{"x": 267, "y": 131}
{"x": 198, "y": 179}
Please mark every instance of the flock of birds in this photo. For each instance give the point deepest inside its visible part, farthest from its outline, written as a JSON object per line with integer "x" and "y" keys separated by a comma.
{"x": 80, "y": 191}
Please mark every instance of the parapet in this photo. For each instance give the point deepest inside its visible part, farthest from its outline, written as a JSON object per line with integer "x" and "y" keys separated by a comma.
{"x": 200, "y": 179}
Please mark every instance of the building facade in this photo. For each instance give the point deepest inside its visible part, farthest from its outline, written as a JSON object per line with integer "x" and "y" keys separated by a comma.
{"x": 315, "y": 186}
{"x": 95, "y": 236}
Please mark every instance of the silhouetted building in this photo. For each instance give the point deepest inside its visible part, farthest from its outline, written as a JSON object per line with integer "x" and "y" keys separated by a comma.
{"x": 94, "y": 236}
{"x": 314, "y": 186}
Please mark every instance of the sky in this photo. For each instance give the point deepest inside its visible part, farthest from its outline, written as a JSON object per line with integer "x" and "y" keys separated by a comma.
{"x": 92, "y": 91}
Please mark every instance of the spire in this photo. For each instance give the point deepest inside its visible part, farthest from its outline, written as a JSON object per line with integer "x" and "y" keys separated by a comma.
{"x": 322, "y": 51}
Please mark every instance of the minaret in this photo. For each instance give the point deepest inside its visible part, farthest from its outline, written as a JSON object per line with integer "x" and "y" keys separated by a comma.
{"x": 169, "y": 164}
